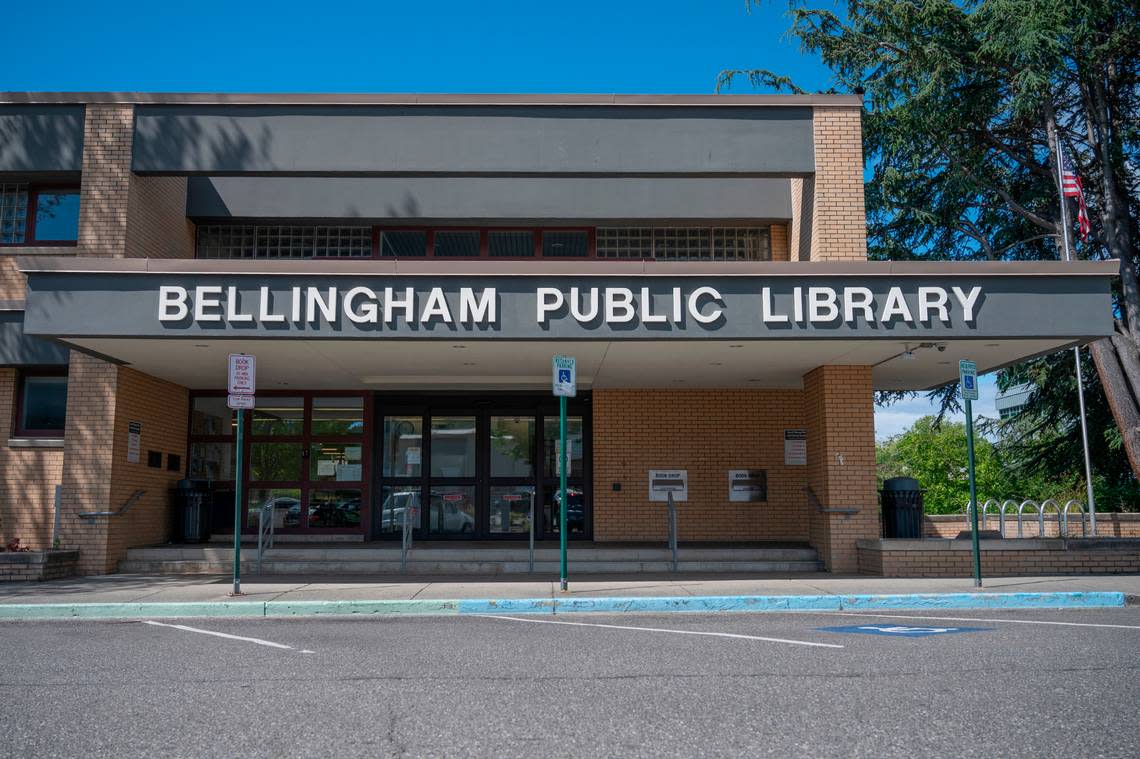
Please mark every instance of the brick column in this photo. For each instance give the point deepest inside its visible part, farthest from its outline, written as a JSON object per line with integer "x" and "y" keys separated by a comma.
{"x": 105, "y": 186}
{"x": 840, "y": 422}
{"x": 838, "y": 217}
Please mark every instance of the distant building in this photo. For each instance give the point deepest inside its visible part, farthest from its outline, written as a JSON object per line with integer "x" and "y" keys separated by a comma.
{"x": 1010, "y": 402}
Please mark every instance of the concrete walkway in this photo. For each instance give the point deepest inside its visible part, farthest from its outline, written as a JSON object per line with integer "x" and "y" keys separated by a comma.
{"x": 199, "y": 588}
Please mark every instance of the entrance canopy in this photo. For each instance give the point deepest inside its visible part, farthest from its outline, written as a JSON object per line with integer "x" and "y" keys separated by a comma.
{"x": 435, "y": 325}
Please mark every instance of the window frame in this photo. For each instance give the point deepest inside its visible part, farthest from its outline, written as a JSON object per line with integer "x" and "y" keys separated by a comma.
{"x": 34, "y": 189}
{"x": 18, "y": 429}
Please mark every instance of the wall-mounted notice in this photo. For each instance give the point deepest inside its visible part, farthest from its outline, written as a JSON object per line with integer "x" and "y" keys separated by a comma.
{"x": 795, "y": 447}
{"x": 747, "y": 485}
{"x": 134, "y": 441}
{"x": 662, "y": 482}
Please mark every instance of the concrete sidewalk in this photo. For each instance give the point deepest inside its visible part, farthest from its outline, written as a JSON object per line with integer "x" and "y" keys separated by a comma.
{"x": 212, "y": 589}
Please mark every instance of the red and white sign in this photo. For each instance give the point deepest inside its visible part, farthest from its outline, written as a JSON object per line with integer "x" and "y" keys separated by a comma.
{"x": 239, "y": 401}
{"x": 243, "y": 374}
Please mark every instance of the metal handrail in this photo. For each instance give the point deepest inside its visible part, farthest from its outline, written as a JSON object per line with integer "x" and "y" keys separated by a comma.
{"x": 405, "y": 538}
{"x": 530, "y": 554}
{"x": 672, "y": 507}
{"x": 90, "y": 515}
{"x": 265, "y": 530}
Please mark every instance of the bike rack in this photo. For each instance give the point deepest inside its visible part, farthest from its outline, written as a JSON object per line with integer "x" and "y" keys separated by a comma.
{"x": 1062, "y": 512}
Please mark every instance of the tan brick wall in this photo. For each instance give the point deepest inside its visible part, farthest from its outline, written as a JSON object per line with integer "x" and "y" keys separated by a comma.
{"x": 1108, "y": 525}
{"x": 779, "y": 241}
{"x": 840, "y": 422}
{"x": 12, "y": 281}
{"x": 87, "y": 455}
{"x": 157, "y": 226}
{"x": 102, "y": 401}
{"x": 162, "y": 408}
{"x": 706, "y": 432}
{"x": 838, "y": 221}
{"x": 28, "y": 477}
{"x": 106, "y": 180}
{"x": 799, "y": 228}
{"x": 120, "y": 214}
{"x": 1000, "y": 563}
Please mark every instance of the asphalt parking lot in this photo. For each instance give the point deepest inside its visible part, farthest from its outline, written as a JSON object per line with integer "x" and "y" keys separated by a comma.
{"x": 962, "y": 683}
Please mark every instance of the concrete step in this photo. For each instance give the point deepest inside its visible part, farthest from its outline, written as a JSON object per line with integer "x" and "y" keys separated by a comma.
{"x": 463, "y": 555}
{"x": 275, "y": 566}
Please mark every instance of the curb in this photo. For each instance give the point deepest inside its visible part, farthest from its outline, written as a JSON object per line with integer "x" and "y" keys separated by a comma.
{"x": 912, "y": 601}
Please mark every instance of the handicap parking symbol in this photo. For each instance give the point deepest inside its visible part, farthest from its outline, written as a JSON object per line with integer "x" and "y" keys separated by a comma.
{"x": 564, "y": 375}
{"x": 901, "y": 631}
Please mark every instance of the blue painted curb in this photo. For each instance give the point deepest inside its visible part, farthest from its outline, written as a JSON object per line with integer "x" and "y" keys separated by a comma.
{"x": 422, "y": 607}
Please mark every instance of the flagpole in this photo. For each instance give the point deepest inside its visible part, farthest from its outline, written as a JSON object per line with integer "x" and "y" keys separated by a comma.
{"x": 1065, "y": 232}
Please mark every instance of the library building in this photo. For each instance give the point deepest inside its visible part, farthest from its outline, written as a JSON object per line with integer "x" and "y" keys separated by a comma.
{"x": 404, "y": 268}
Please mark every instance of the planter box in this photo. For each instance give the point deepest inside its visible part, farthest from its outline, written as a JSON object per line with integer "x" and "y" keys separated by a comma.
{"x": 34, "y": 566}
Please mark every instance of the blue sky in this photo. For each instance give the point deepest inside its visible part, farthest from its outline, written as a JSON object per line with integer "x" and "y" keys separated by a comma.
{"x": 627, "y": 46}
{"x": 630, "y": 46}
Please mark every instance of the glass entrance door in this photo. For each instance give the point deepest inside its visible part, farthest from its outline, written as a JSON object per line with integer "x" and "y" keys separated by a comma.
{"x": 454, "y": 472}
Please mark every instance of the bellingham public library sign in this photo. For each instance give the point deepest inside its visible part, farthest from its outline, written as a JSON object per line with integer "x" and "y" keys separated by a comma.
{"x": 360, "y": 306}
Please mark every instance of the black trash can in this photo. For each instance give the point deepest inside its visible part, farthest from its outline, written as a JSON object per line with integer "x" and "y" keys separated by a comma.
{"x": 901, "y": 501}
{"x": 192, "y": 501}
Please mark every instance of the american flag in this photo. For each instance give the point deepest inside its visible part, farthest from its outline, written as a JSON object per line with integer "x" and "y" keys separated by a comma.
{"x": 1071, "y": 188}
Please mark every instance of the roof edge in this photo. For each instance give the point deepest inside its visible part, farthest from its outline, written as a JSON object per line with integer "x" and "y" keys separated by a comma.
{"x": 350, "y": 99}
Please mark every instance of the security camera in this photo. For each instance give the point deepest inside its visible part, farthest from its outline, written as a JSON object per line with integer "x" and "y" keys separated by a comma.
{"x": 941, "y": 348}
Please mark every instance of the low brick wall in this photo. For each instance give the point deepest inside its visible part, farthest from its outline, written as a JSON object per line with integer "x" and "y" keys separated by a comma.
{"x": 1000, "y": 558}
{"x": 33, "y": 566}
{"x": 1108, "y": 525}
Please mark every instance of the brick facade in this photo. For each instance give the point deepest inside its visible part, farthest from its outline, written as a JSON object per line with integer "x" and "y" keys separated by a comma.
{"x": 840, "y": 422}
{"x": 706, "y": 432}
{"x": 838, "y": 220}
{"x": 29, "y": 477}
{"x": 1000, "y": 558}
{"x": 103, "y": 399}
{"x": 779, "y": 242}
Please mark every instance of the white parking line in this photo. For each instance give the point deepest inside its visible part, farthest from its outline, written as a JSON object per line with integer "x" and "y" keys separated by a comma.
{"x": 977, "y": 619}
{"x": 663, "y": 630}
{"x": 258, "y": 641}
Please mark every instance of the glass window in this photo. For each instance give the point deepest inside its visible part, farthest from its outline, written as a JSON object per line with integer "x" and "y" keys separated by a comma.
{"x": 682, "y": 244}
{"x": 403, "y": 446}
{"x": 575, "y": 509}
{"x": 212, "y": 461}
{"x": 453, "y": 446}
{"x": 403, "y": 244}
{"x": 565, "y": 244}
{"x": 452, "y": 510}
{"x": 13, "y": 212}
{"x": 334, "y": 508}
{"x": 510, "y": 509}
{"x": 397, "y": 504}
{"x": 336, "y": 462}
{"x": 552, "y": 445}
{"x": 624, "y": 242}
{"x": 285, "y": 503}
{"x": 211, "y": 416}
{"x": 274, "y": 462}
{"x": 44, "y": 404}
{"x": 512, "y": 446}
{"x": 57, "y": 215}
{"x": 279, "y": 416}
{"x": 276, "y": 241}
{"x": 741, "y": 244}
{"x": 338, "y": 416}
{"x": 457, "y": 244}
{"x": 506, "y": 244}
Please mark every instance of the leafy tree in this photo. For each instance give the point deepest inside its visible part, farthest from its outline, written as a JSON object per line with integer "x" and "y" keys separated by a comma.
{"x": 935, "y": 455}
{"x": 964, "y": 104}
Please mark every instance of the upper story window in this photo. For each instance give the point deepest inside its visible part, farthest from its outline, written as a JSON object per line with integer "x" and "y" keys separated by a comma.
{"x": 685, "y": 243}
{"x": 41, "y": 404}
{"x": 664, "y": 243}
{"x": 279, "y": 241}
{"x": 38, "y": 215}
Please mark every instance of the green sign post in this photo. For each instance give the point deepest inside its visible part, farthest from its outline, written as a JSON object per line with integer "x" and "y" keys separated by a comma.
{"x": 968, "y": 381}
{"x": 242, "y": 381}
{"x": 565, "y": 383}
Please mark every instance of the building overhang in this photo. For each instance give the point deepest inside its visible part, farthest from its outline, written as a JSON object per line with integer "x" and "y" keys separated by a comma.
{"x": 437, "y": 324}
